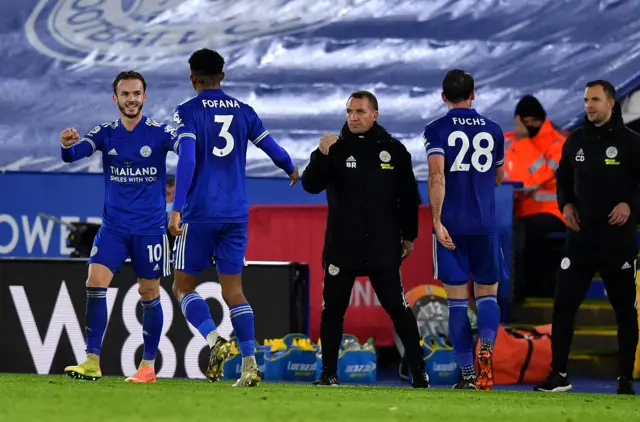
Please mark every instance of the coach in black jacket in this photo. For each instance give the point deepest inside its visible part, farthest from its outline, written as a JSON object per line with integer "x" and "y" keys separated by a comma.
{"x": 372, "y": 222}
{"x": 597, "y": 183}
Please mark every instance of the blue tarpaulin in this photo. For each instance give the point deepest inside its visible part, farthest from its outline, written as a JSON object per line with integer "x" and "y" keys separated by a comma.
{"x": 296, "y": 61}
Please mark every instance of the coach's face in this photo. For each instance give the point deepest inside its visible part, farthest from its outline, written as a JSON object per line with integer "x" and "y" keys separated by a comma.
{"x": 360, "y": 115}
{"x": 130, "y": 98}
{"x": 597, "y": 105}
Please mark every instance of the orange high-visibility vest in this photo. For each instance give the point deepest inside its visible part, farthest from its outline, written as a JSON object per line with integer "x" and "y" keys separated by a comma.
{"x": 533, "y": 161}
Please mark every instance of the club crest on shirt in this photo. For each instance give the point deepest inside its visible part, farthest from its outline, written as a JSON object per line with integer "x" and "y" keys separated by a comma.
{"x": 145, "y": 151}
{"x": 385, "y": 157}
{"x": 137, "y": 32}
{"x": 333, "y": 270}
{"x": 612, "y": 153}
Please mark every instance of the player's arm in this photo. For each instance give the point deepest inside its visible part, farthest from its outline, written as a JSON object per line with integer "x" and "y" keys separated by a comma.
{"x": 436, "y": 180}
{"x": 186, "y": 148}
{"x": 564, "y": 176}
{"x": 74, "y": 148}
{"x": 278, "y": 155}
{"x": 436, "y": 186}
{"x": 409, "y": 201}
{"x": 260, "y": 137}
{"x": 499, "y": 146}
{"x": 171, "y": 139}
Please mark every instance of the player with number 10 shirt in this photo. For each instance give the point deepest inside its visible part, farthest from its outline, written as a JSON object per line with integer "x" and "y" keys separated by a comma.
{"x": 134, "y": 153}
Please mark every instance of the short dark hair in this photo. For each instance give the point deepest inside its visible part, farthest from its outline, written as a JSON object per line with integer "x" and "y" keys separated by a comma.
{"x": 128, "y": 75}
{"x": 206, "y": 63}
{"x": 607, "y": 87}
{"x": 457, "y": 85}
{"x": 360, "y": 94}
{"x": 171, "y": 180}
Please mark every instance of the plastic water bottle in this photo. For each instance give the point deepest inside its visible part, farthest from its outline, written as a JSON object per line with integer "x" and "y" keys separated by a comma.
{"x": 368, "y": 345}
{"x": 350, "y": 344}
{"x": 345, "y": 343}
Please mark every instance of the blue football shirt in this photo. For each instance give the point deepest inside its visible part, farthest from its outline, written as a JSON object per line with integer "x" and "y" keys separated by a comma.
{"x": 134, "y": 165}
{"x": 222, "y": 127}
{"x": 473, "y": 147}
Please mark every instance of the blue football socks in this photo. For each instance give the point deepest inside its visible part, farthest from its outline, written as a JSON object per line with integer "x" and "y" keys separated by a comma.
{"x": 242, "y": 321}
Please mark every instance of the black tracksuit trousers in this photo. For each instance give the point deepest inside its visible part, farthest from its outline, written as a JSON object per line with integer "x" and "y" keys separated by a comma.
{"x": 614, "y": 257}
{"x": 338, "y": 283}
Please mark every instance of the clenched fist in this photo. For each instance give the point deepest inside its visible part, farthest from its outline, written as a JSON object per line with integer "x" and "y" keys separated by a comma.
{"x": 326, "y": 142}
{"x": 69, "y": 136}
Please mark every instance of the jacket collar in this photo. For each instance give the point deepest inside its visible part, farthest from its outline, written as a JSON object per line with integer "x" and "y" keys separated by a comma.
{"x": 377, "y": 132}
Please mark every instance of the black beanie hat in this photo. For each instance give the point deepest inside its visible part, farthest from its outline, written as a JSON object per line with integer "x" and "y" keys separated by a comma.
{"x": 529, "y": 106}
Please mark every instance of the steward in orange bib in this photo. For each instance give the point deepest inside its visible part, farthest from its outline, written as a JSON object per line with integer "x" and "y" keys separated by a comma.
{"x": 532, "y": 155}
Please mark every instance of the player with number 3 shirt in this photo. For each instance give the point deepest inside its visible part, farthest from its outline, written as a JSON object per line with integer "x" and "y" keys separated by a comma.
{"x": 210, "y": 208}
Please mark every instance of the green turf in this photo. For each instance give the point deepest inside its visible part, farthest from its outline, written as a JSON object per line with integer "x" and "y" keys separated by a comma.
{"x": 57, "y": 398}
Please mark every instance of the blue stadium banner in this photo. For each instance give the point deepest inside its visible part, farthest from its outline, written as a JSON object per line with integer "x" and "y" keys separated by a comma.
{"x": 79, "y": 197}
{"x": 65, "y": 196}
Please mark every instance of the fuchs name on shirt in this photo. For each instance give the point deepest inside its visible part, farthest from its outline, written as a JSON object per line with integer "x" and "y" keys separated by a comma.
{"x": 134, "y": 175}
{"x": 221, "y": 103}
{"x": 470, "y": 121}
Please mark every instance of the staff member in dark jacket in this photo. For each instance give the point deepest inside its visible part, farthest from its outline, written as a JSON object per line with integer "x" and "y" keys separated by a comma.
{"x": 372, "y": 222}
{"x": 597, "y": 186}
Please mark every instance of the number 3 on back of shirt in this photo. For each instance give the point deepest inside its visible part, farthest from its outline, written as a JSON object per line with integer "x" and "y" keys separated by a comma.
{"x": 222, "y": 127}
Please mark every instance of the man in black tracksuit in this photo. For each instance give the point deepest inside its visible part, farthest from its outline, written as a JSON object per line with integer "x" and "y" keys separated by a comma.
{"x": 372, "y": 222}
{"x": 597, "y": 187}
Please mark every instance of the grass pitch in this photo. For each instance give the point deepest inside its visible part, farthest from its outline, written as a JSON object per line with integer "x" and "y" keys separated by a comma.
{"x": 58, "y": 398}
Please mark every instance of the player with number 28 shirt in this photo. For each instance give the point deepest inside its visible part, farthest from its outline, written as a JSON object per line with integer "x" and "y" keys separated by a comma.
{"x": 466, "y": 152}
{"x": 210, "y": 208}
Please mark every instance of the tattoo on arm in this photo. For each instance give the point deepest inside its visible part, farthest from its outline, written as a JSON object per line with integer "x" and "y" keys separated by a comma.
{"x": 436, "y": 191}
{"x": 436, "y": 177}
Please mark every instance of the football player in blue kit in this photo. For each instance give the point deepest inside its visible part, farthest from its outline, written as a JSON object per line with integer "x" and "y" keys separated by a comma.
{"x": 211, "y": 211}
{"x": 466, "y": 154}
{"x": 134, "y": 151}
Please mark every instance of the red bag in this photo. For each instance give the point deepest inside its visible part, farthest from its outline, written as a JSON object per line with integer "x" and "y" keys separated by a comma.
{"x": 521, "y": 356}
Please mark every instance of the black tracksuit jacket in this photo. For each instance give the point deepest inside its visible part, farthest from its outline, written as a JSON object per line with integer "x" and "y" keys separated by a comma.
{"x": 372, "y": 198}
{"x": 599, "y": 168}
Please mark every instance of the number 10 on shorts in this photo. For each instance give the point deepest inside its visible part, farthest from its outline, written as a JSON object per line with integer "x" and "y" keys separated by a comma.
{"x": 155, "y": 252}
